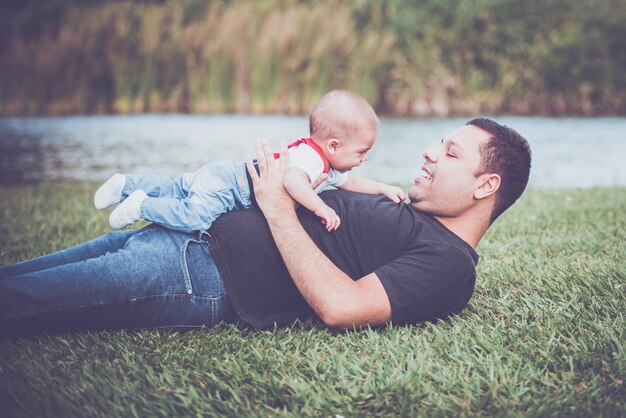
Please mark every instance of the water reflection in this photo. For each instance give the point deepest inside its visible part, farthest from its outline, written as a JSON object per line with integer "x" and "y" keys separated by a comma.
{"x": 567, "y": 152}
{"x": 21, "y": 158}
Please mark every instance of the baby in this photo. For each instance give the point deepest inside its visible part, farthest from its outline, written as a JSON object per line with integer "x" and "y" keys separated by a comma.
{"x": 343, "y": 127}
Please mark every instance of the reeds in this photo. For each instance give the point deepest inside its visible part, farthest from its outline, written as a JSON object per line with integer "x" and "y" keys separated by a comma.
{"x": 407, "y": 58}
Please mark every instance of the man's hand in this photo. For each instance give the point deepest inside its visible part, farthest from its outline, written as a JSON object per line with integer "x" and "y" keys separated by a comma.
{"x": 395, "y": 194}
{"x": 271, "y": 196}
{"x": 330, "y": 218}
{"x": 269, "y": 192}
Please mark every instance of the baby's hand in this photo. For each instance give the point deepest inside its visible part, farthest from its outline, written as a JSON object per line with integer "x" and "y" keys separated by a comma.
{"x": 329, "y": 217}
{"x": 395, "y": 194}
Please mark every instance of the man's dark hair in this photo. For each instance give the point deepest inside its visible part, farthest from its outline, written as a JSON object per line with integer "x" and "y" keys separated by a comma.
{"x": 507, "y": 154}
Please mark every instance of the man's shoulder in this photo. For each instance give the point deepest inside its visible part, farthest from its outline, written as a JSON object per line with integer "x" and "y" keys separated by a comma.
{"x": 415, "y": 228}
{"x": 372, "y": 203}
{"x": 455, "y": 255}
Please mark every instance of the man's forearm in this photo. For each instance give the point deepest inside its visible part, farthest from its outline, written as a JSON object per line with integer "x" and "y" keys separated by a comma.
{"x": 333, "y": 295}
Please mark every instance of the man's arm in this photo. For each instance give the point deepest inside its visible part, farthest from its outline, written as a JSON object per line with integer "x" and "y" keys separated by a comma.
{"x": 337, "y": 299}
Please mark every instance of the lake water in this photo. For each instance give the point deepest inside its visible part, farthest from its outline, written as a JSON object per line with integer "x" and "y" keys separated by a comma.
{"x": 567, "y": 152}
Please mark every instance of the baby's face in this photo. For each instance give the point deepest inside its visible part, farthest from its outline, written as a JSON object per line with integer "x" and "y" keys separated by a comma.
{"x": 351, "y": 152}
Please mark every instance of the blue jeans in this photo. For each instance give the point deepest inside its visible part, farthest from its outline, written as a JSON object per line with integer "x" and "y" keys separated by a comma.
{"x": 147, "y": 278}
{"x": 192, "y": 201}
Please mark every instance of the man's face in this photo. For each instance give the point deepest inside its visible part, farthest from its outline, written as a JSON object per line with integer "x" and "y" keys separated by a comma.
{"x": 447, "y": 180}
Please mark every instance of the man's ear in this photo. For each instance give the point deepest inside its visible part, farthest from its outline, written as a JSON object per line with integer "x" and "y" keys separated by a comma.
{"x": 332, "y": 145}
{"x": 488, "y": 184}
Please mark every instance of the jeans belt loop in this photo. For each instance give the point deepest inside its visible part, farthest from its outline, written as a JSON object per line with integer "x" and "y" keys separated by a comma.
{"x": 204, "y": 236}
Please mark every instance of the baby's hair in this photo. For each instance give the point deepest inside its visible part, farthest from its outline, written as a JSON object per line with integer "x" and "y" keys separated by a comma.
{"x": 341, "y": 114}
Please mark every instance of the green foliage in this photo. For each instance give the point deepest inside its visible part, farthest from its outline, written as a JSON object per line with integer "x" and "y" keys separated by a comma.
{"x": 431, "y": 57}
{"x": 543, "y": 336}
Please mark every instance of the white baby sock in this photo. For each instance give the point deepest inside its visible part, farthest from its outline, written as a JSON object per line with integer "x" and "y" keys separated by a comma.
{"x": 129, "y": 211}
{"x": 110, "y": 192}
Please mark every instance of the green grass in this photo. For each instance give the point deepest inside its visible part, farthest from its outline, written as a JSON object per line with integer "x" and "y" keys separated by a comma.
{"x": 544, "y": 334}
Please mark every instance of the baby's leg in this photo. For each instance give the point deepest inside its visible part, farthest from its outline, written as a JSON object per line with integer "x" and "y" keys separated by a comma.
{"x": 215, "y": 189}
{"x": 154, "y": 185}
{"x": 138, "y": 188}
{"x": 191, "y": 214}
{"x": 110, "y": 192}
{"x": 120, "y": 186}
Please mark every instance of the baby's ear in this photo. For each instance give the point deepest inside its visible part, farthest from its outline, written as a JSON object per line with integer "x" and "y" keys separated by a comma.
{"x": 332, "y": 145}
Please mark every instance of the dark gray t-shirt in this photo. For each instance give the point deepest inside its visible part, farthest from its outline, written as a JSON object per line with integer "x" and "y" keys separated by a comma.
{"x": 426, "y": 270}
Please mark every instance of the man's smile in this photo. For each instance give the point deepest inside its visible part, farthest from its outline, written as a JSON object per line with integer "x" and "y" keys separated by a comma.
{"x": 426, "y": 173}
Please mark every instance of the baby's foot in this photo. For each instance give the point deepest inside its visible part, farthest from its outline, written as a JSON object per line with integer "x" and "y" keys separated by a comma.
{"x": 128, "y": 212}
{"x": 110, "y": 192}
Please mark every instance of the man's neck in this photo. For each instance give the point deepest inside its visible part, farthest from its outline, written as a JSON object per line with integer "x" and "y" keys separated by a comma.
{"x": 469, "y": 227}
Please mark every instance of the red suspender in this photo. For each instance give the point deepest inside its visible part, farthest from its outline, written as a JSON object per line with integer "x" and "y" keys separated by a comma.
{"x": 312, "y": 144}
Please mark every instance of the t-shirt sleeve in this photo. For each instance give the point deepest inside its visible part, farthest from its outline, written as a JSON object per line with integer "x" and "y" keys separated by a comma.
{"x": 337, "y": 179}
{"x": 428, "y": 282}
{"x": 305, "y": 158}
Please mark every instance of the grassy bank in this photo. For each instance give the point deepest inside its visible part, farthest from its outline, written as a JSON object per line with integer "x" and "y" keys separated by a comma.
{"x": 543, "y": 336}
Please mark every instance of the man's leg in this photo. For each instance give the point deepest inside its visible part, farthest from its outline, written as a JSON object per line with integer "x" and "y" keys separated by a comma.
{"x": 160, "y": 279}
{"x": 110, "y": 242}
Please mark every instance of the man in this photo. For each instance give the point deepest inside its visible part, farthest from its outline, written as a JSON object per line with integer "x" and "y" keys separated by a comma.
{"x": 401, "y": 263}
{"x": 386, "y": 263}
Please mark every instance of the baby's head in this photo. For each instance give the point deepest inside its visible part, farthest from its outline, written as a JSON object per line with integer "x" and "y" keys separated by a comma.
{"x": 344, "y": 125}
